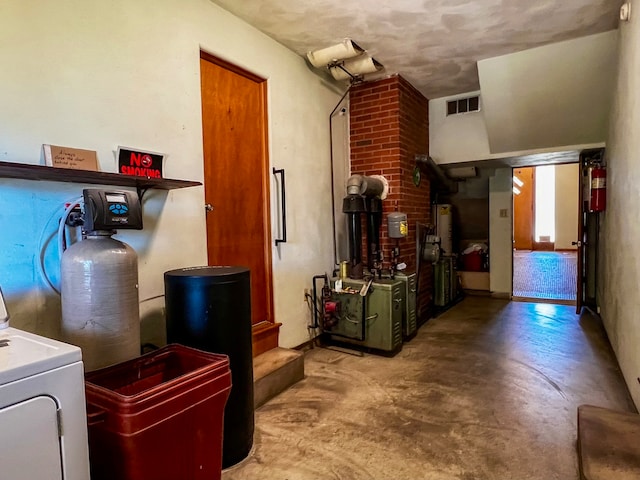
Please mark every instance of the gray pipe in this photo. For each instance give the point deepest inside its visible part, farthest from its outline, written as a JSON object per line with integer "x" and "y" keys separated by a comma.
{"x": 4, "y": 313}
{"x": 363, "y": 185}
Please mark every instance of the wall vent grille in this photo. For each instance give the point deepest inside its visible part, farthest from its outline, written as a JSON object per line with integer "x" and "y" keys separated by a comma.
{"x": 463, "y": 105}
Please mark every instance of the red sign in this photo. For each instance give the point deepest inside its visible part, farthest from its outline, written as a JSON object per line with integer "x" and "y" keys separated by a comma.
{"x": 138, "y": 163}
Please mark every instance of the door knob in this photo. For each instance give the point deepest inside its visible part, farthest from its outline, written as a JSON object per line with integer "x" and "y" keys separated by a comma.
{"x": 578, "y": 243}
{"x": 208, "y": 207}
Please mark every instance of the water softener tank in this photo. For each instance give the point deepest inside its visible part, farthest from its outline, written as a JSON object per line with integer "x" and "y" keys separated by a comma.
{"x": 99, "y": 289}
{"x": 209, "y": 308}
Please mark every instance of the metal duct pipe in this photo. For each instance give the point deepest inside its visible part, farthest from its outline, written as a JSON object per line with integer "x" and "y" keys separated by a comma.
{"x": 374, "y": 218}
{"x": 440, "y": 181}
{"x": 353, "y": 185}
{"x": 354, "y": 206}
{"x": 355, "y": 245}
{"x": 369, "y": 186}
{"x": 4, "y": 313}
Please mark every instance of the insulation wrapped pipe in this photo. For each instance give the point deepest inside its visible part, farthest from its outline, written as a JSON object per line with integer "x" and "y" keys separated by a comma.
{"x": 368, "y": 186}
{"x": 99, "y": 291}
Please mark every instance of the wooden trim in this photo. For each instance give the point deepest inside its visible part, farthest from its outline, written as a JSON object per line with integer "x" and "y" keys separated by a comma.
{"x": 264, "y": 337}
{"x": 265, "y": 334}
{"x": 544, "y": 300}
{"x": 266, "y": 204}
{"x": 231, "y": 67}
{"x": 308, "y": 345}
{"x": 544, "y": 246}
{"x": 55, "y": 174}
{"x": 501, "y": 295}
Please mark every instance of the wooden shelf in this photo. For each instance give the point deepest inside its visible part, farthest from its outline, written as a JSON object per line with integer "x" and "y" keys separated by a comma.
{"x": 54, "y": 174}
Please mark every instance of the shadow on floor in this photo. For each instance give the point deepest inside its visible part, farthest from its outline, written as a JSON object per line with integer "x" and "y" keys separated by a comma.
{"x": 489, "y": 390}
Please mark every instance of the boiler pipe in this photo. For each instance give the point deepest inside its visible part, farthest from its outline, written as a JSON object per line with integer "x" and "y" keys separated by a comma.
{"x": 333, "y": 198}
{"x": 374, "y": 214}
{"x": 315, "y": 298}
{"x": 355, "y": 245}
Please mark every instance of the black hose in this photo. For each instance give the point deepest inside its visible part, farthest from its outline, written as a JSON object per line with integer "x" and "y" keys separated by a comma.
{"x": 315, "y": 299}
{"x": 316, "y": 311}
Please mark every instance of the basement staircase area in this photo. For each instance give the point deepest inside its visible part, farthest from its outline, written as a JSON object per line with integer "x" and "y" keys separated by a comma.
{"x": 608, "y": 444}
{"x": 274, "y": 371}
{"x": 525, "y": 111}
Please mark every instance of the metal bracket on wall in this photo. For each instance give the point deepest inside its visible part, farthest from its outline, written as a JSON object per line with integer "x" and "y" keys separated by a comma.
{"x": 141, "y": 191}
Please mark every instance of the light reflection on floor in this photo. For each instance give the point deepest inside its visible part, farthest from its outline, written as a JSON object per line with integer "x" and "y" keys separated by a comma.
{"x": 544, "y": 275}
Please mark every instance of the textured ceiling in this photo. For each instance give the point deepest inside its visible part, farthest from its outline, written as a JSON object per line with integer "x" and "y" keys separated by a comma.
{"x": 434, "y": 44}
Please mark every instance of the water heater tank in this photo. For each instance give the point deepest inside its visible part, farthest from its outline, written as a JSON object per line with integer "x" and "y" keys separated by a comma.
{"x": 209, "y": 308}
{"x": 442, "y": 215}
{"x": 100, "y": 312}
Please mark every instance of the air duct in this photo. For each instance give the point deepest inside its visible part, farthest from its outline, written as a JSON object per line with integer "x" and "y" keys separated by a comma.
{"x": 441, "y": 183}
{"x": 345, "y": 61}
{"x": 341, "y": 51}
{"x": 461, "y": 173}
{"x": 356, "y": 66}
{"x": 369, "y": 186}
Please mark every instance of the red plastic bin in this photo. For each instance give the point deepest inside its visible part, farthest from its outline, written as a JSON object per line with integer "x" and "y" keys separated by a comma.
{"x": 472, "y": 262}
{"x": 159, "y": 416}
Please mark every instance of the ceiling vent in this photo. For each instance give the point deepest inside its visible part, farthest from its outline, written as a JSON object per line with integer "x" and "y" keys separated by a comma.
{"x": 463, "y": 105}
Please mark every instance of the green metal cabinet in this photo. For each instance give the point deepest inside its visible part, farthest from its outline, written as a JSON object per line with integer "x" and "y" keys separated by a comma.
{"x": 383, "y": 308}
{"x": 409, "y": 314}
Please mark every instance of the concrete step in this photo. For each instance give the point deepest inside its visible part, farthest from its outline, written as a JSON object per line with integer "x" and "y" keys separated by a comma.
{"x": 274, "y": 371}
{"x": 608, "y": 444}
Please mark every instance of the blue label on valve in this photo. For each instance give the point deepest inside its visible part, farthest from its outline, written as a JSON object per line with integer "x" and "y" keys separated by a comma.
{"x": 118, "y": 209}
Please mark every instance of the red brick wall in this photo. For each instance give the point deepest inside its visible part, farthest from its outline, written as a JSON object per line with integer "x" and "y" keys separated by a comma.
{"x": 389, "y": 126}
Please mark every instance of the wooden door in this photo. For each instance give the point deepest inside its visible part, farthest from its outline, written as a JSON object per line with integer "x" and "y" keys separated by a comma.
{"x": 523, "y": 208}
{"x": 236, "y": 179}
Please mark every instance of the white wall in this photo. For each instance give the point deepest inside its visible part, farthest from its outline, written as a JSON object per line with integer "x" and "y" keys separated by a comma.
{"x": 566, "y": 207}
{"x": 620, "y": 235}
{"x": 550, "y": 96}
{"x": 542, "y": 100}
{"x": 500, "y": 232}
{"x": 464, "y": 138}
{"x": 456, "y": 138}
{"x": 97, "y": 75}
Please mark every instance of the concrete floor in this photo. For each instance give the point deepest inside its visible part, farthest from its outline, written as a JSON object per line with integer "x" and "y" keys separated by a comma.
{"x": 488, "y": 390}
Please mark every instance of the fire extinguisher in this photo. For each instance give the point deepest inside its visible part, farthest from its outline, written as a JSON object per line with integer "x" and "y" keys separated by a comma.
{"x": 598, "y": 200}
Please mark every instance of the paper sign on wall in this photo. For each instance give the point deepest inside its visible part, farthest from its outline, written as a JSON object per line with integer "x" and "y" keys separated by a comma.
{"x": 140, "y": 163}
{"x": 67, "y": 157}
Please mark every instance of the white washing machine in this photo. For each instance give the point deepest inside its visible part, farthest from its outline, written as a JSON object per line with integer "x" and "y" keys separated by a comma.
{"x": 43, "y": 423}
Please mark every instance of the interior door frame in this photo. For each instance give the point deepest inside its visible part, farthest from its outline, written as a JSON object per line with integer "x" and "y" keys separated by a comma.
{"x": 264, "y": 333}
{"x": 588, "y": 236}
{"x": 582, "y": 211}
{"x": 579, "y": 244}
{"x": 532, "y": 229}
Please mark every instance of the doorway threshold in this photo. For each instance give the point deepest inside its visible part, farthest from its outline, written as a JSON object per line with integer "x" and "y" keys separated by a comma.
{"x": 556, "y": 301}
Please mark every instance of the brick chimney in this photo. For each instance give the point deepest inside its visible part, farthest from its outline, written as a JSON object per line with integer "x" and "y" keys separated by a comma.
{"x": 389, "y": 121}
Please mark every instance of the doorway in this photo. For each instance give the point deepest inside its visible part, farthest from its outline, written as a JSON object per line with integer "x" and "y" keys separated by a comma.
{"x": 545, "y": 230}
{"x": 236, "y": 181}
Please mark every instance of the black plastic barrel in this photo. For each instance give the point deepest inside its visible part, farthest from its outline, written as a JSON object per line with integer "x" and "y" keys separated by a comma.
{"x": 209, "y": 308}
